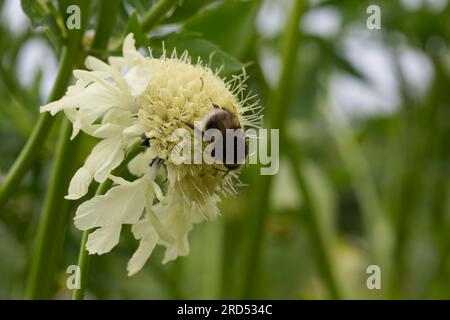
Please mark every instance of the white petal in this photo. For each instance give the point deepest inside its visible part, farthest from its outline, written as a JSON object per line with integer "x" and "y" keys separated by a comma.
{"x": 108, "y": 130}
{"x": 122, "y": 204}
{"x": 111, "y": 70}
{"x": 71, "y": 114}
{"x": 164, "y": 234}
{"x": 119, "y": 180}
{"x": 142, "y": 230}
{"x": 93, "y": 63}
{"x": 105, "y": 156}
{"x": 128, "y": 48}
{"x": 117, "y": 62}
{"x": 114, "y": 159}
{"x": 134, "y": 130}
{"x": 79, "y": 185}
{"x": 181, "y": 246}
{"x": 180, "y": 222}
{"x": 103, "y": 239}
{"x": 139, "y": 165}
{"x": 158, "y": 193}
{"x": 180, "y": 217}
{"x": 99, "y": 77}
{"x": 93, "y": 101}
{"x": 138, "y": 79}
{"x": 119, "y": 117}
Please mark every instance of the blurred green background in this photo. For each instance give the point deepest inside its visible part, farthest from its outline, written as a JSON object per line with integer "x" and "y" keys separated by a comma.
{"x": 364, "y": 169}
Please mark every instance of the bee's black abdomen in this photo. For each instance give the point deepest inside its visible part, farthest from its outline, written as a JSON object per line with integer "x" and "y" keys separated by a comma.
{"x": 222, "y": 119}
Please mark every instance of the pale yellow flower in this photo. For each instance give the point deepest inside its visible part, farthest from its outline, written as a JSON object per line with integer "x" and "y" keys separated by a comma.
{"x": 130, "y": 97}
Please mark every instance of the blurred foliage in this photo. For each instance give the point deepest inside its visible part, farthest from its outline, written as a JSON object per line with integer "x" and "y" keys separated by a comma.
{"x": 376, "y": 184}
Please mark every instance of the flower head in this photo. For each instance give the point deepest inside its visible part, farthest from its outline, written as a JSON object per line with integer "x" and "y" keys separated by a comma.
{"x": 134, "y": 98}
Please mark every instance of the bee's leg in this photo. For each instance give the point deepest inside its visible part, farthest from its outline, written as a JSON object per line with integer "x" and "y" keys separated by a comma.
{"x": 215, "y": 105}
{"x": 190, "y": 125}
{"x": 155, "y": 160}
{"x": 224, "y": 172}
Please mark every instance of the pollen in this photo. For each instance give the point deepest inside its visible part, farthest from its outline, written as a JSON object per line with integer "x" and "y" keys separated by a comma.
{"x": 179, "y": 93}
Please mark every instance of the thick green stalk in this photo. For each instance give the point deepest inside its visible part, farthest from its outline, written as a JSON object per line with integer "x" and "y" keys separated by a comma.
{"x": 83, "y": 258}
{"x": 421, "y": 135}
{"x": 277, "y": 113}
{"x": 51, "y": 230}
{"x": 375, "y": 223}
{"x": 322, "y": 243}
{"x": 53, "y": 221}
{"x": 106, "y": 20}
{"x": 156, "y": 14}
{"x": 69, "y": 55}
{"x": 45, "y": 120}
{"x": 40, "y": 131}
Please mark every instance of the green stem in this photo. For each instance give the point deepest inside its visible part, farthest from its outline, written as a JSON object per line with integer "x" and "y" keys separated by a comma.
{"x": 51, "y": 230}
{"x": 375, "y": 223}
{"x": 40, "y": 131}
{"x": 53, "y": 221}
{"x": 321, "y": 242}
{"x": 45, "y": 121}
{"x": 156, "y": 14}
{"x": 16, "y": 90}
{"x": 420, "y": 136}
{"x": 106, "y": 19}
{"x": 83, "y": 258}
{"x": 278, "y": 111}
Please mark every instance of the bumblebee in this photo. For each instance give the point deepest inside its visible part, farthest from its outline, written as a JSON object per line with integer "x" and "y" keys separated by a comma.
{"x": 222, "y": 119}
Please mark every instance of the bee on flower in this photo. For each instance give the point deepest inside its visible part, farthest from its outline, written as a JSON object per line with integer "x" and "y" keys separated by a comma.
{"x": 137, "y": 98}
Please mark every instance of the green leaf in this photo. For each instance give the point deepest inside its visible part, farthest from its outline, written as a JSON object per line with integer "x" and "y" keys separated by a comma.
{"x": 230, "y": 26}
{"x": 188, "y": 8}
{"x": 134, "y": 27}
{"x": 141, "y": 6}
{"x": 43, "y": 13}
{"x": 331, "y": 54}
{"x": 322, "y": 198}
{"x": 73, "y": 36}
{"x": 197, "y": 47}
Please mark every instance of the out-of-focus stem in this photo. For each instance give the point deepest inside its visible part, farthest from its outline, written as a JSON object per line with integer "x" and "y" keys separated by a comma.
{"x": 156, "y": 14}
{"x": 277, "y": 113}
{"x": 320, "y": 241}
{"x": 106, "y": 19}
{"x": 53, "y": 222}
{"x": 375, "y": 223}
{"x": 40, "y": 131}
